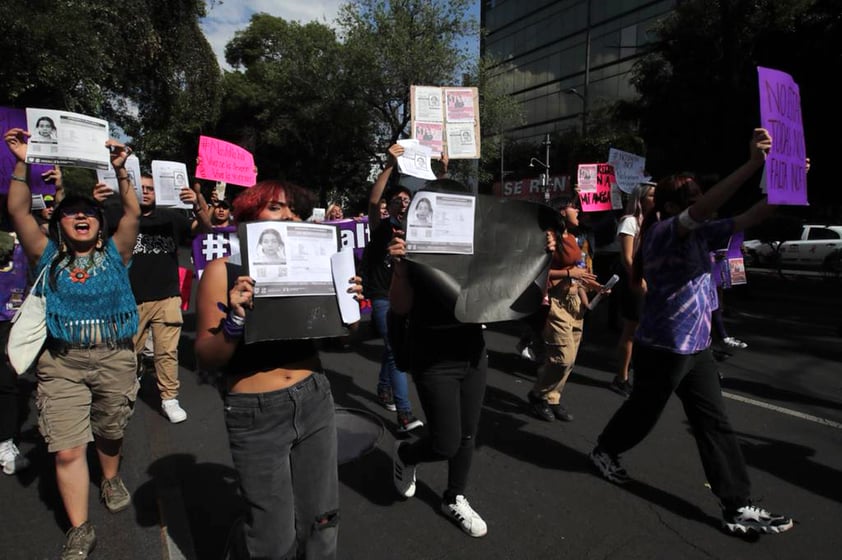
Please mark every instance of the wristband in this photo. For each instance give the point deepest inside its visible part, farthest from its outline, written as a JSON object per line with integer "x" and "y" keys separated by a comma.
{"x": 19, "y": 179}
{"x": 126, "y": 178}
{"x": 233, "y": 326}
{"x": 568, "y": 273}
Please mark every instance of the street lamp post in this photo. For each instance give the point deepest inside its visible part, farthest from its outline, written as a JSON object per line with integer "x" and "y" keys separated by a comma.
{"x": 545, "y": 177}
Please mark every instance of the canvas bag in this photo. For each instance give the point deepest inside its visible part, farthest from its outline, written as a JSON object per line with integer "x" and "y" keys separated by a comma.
{"x": 29, "y": 328}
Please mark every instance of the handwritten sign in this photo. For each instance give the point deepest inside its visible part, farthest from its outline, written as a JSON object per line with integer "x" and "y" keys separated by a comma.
{"x": 595, "y": 180}
{"x": 628, "y": 169}
{"x": 780, "y": 113}
{"x": 223, "y": 161}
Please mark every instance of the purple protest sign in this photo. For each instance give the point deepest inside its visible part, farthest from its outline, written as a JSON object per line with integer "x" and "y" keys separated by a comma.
{"x": 11, "y": 117}
{"x": 780, "y": 114}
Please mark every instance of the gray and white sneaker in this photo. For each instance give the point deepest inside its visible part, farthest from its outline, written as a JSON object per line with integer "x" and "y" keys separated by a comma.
{"x": 403, "y": 475}
{"x": 462, "y": 513}
{"x": 609, "y": 466}
{"x": 752, "y": 518}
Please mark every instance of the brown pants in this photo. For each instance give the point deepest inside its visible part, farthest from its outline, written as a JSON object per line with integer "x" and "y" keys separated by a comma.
{"x": 163, "y": 317}
{"x": 562, "y": 335}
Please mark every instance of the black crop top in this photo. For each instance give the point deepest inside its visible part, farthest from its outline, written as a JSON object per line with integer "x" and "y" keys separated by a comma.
{"x": 267, "y": 355}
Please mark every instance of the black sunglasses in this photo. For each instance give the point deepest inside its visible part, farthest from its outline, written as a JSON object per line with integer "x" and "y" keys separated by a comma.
{"x": 71, "y": 212}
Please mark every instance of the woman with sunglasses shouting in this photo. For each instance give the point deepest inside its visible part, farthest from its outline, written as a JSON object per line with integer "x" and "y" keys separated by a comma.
{"x": 86, "y": 376}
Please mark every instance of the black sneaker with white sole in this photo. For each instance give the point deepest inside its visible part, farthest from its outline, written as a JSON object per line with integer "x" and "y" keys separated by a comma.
{"x": 741, "y": 520}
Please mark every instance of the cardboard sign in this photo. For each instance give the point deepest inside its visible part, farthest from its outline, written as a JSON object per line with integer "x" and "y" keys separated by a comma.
{"x": 223, "y": 161}
{"x": 595, "y": 180}
{"x": 785, "y": 173}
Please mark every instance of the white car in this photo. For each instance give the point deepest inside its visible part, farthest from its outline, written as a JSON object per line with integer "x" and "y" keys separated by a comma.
{"x": 818, "y": 247}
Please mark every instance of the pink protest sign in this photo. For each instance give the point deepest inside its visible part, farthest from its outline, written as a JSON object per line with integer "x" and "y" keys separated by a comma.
{"x": 780, "y": 114}
{"x": 595, "y": 180}
{"x": 223, "y": 161}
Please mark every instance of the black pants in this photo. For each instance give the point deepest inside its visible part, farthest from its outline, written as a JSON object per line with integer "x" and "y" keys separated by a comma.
{"x": 451, "y": 394}
{"x": 8, "y": 389}
{"x": 694, "y": 378}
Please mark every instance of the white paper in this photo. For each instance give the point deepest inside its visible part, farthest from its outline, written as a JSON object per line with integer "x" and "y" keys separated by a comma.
{"x": 220, "y": 190}
{"x": 64, "y": 138}
{"x": 440, "y": 223}
{"x": 170, "y": 178}
{"x": 38, "y": 202}
{"x": 109, "y": 177}
{"x": 342, "y": 264}
{"x": 318, "y": 215}
{"x": 461, "y": 142}
{"x": 415, "y": 160}
{"x": 291, "y": 258}
{"x": 628, "y": 169}
{"x": 427, "y": 104}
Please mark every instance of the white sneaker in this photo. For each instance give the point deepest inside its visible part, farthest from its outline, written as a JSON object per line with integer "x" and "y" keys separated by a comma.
{"x": 10, "y": 458}
{"x": 403, "y": 475}
{"x": 734, "y": 342}
{"x": 462, "y": 512}
{"x": 173, "y": 411}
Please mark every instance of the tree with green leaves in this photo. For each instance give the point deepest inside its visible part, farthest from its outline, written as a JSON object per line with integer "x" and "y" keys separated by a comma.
{"x": 144, "y": 65}
{"x": 698, "y": 85}
{"x": 293, "y": 102}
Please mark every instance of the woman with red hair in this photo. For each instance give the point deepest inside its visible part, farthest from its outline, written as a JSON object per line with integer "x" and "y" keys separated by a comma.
{"x": 279, "y": 409}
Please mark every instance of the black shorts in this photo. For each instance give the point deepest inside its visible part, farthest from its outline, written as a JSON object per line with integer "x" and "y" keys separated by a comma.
{"x": 630, "y": 301}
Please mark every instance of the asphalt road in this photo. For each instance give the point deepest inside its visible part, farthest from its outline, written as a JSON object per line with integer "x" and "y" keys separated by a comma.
{"x": 531, "y": 480}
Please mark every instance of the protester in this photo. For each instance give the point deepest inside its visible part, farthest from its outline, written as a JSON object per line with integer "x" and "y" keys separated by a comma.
{"x": 448, "y": 362}
{"x": 221, "y": 215}
{"x": 629, "y": 294}
{"x": 279, "y": 409}
{"x": 392, "y": 386}
{"x": 569, "y": 279}
{"x": 334, "y": 212}
{"x": 86, "y": 377}
{"x": 13, "y": 286}
{"x": 156, "y": 287}
{"x": 672, "y": 343}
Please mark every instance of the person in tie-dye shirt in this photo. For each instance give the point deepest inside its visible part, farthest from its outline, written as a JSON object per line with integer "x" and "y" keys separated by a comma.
{"x": 672, "y": 343}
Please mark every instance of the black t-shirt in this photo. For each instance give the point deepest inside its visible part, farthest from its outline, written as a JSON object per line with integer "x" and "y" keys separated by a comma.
{"x": 154, "y": 270}
{"x": 376, "y": 267}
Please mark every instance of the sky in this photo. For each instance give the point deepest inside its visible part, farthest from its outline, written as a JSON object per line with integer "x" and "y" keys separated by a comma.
{"x": 227, "y": 17}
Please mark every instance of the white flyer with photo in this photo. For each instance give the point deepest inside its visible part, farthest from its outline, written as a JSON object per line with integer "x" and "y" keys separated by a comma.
{"x": 169, "y": 177}
{"x": 461, "y": 140}
{"x": 415, "y": 160}
{"x": 109, "y": 176}
{"x": 441, "y": 223}
{"x": 291, "y": 258}
{"x": 64, "y": 138}
{"x": 427, "y": 104}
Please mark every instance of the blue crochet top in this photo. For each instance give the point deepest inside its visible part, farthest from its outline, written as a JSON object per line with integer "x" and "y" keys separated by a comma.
{"x": 93, "y": 299}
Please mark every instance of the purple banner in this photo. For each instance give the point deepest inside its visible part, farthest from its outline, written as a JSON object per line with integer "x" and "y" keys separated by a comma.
{"x": 11, "y": 117}
{"x": 209, "y": 246}
{"x": 780, "y": 114}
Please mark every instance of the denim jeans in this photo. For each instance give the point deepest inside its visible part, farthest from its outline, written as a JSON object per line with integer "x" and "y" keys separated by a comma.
{"x": 283, "y": 444}
{"x": 390, "y": 375}
{"x": 451, "y": 394}
{"x": 694, "y": 378}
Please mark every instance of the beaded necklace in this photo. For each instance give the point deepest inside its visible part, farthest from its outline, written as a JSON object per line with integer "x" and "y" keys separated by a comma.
{"x": 83, "y": 266}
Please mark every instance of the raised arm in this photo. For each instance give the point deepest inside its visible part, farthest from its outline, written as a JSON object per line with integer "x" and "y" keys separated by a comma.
{"x": 720, "y": 193}
{"x": 127, "y": 229}
{"x": 214, "y": 346}
{"x": 202, "y": 211}
{"x": 379, "y": 186}
{"x": 19, "y": 201}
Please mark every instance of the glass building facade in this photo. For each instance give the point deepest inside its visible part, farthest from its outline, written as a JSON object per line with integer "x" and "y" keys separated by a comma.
{"x": 563, "y": 59}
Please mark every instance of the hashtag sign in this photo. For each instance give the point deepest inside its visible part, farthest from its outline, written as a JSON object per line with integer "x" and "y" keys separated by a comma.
{"x": 215, "y": 245}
